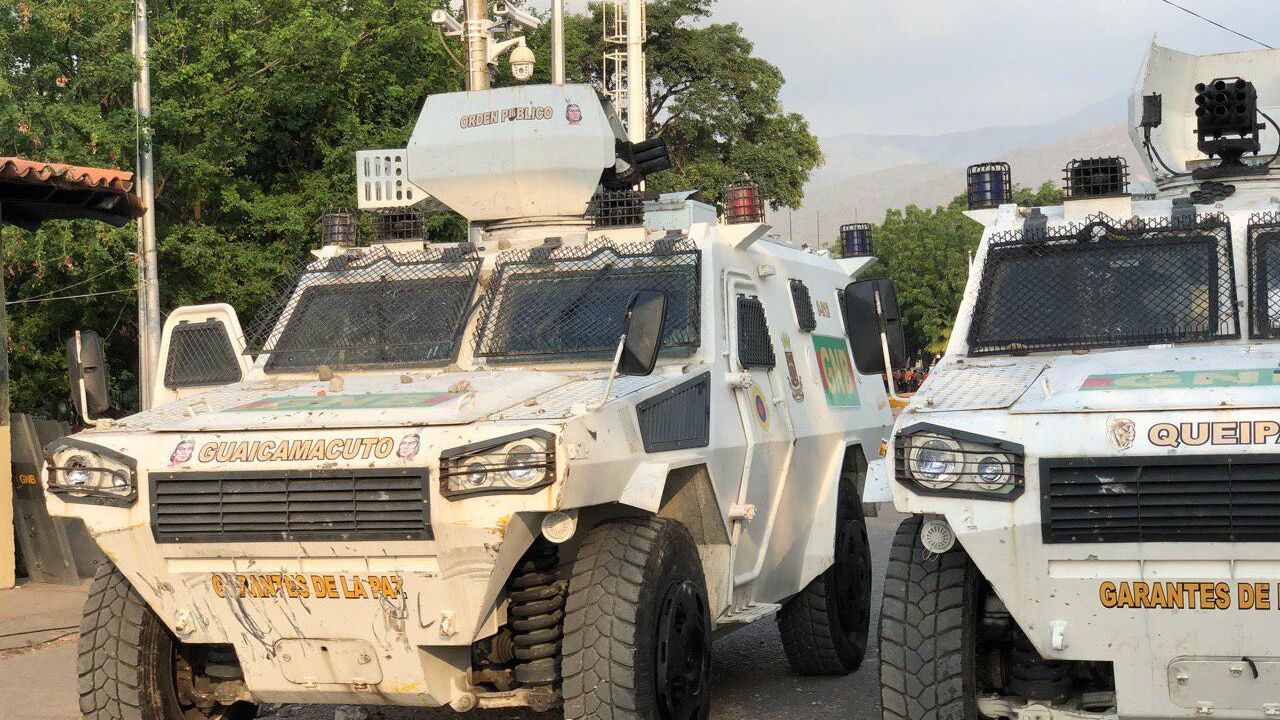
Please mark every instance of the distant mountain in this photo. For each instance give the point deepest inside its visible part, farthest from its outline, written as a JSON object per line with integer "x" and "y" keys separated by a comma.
{"x": 865, "y": 175}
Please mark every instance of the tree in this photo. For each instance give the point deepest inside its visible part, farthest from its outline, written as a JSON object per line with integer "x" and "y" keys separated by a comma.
{"x": 714, "y": 102}
{"x": 259, "y": 107}
{"x": 1047, "y": 194}
{"x": 926, "y": 253}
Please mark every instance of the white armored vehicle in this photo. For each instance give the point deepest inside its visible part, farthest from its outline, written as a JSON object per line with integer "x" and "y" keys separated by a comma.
{"x": 1090, "y": 470}
{"x": 541, "y": 468}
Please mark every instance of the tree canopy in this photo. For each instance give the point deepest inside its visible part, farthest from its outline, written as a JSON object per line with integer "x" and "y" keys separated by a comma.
{"x": 259, "y": 108}
{"x": 926, "y": 253}
{"x": 710, "y": 97}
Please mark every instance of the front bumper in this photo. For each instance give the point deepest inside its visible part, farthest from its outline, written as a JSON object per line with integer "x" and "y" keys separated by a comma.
{"x": 387, "y": 623}
{"x": 1185, "y": 625}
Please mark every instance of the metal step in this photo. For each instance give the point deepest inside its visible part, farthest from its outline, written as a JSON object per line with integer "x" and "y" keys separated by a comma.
{"x": 748, "y": 614}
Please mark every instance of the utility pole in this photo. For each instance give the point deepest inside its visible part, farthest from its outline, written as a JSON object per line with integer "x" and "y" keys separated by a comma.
{"x": 476, "y": 32}
{"x": 557, "y": 42}
{"x": 637, "y": 75}
{"x": 148, "y": 277}
{"x": 8, "y": 550}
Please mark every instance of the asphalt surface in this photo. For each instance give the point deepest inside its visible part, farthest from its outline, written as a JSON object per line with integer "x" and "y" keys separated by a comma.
{"x": 751, "y": 677}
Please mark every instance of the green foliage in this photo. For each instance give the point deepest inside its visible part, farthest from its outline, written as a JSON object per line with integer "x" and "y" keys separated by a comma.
{"x": 714, "y": 102}
{"x": 1044, "y": 196}
{"x": 259, "y": 108}
{"x": 926, "y": 253}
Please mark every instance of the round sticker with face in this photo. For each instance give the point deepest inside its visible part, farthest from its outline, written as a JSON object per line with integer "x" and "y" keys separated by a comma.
{"x": 409, "y": 446}
{"x": 573, "y": 114}
{"x": 182, "y": 453}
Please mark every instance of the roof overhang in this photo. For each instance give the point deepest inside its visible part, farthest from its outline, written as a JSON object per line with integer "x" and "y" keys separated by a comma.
{"x": 33, "y": 192}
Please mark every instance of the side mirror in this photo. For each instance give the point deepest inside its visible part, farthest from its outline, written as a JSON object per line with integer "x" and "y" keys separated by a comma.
{"x": 87, "y": 368}
{"x": 642, "y": 327}
{"x": 873, "y": 320}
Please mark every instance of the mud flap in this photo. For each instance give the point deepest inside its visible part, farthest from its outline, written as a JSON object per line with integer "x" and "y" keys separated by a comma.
{"x": 877, "y": 488}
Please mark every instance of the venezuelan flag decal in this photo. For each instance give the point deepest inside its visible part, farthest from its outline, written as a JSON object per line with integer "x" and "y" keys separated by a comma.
{"x": 1184, "y": 380}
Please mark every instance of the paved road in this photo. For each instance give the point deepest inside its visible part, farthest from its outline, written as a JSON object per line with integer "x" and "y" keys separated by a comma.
{"x": 752, "y": 679}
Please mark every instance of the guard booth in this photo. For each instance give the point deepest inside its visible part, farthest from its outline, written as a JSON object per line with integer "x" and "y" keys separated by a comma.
{"x": 31, "y": 194}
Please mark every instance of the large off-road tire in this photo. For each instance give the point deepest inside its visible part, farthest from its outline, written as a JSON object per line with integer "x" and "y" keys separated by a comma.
{"x": 127, "y": 662}
{"x": 928, "y": 631}
{"x": 825, "y": 627}
{"x": 637, "y": 631}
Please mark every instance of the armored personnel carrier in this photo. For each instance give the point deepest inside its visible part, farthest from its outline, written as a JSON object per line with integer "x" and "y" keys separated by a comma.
{"x": 542, "y": 468}
{"x": 1094, "y": 498}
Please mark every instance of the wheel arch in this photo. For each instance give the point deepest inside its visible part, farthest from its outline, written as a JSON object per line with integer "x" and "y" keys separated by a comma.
{"x": 847, "y": 473}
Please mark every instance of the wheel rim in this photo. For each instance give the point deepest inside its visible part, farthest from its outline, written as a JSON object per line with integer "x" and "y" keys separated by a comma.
{"x": 684, "y": 657}
{"x": 853, "y": 610}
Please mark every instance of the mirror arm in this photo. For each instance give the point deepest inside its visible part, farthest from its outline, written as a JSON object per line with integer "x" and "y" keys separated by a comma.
{"x": 613, "y": 373}
{"x": 84, "y": 405}
{"x": 84, "y": 394}
{"x": 888, "y": 369}
{"x": 888, "y": 357}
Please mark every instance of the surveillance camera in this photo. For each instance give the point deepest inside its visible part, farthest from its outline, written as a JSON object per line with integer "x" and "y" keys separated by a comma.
{"x": 447, "y": 21}
{"x": 526, "y": 20}
{"x": 522, "y": 62}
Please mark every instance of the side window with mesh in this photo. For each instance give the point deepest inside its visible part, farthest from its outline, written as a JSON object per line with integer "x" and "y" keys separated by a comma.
{"x": 200, "y": 354}
{"x": 804, "y": 306}
{"x": 1264, "y": 276}
{"x": 754, "y": 347}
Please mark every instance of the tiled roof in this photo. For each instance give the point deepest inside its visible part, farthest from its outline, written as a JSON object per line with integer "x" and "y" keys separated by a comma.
{"x": 69, "y": 176}
{"x": 32, "y": 193}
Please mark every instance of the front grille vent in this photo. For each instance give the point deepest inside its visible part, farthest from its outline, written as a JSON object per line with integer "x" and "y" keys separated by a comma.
{"x": 290, "y": 505}
{"x": 1200, "y": 499}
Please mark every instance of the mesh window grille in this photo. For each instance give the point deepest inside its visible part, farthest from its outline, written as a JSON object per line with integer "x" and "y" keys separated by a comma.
{"x": 200, "y": 355}
{"x": 755, "y": 349}
{"x": 804, "y": 306}
{"x": 1097, "y": 177}
{"x": 555, "y": 302}
{"x": 397, "y": 224}
{"x": 371, "y": 308}
{"x": 618, "y": 208}
{"x": 1106, "y": 284}
{"x": 1264, "y": 275}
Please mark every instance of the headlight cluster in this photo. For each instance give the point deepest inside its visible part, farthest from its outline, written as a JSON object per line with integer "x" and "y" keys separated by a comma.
{"x": 935, "y": 461}
{"x": 77, "y": 471}
{"x": 515, "y": 463}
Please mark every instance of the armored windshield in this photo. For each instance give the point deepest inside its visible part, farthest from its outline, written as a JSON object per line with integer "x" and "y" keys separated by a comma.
{"x": 568, "y": 302}
{"x": 377, "y": 308}
{"x": 1106, "y": 285}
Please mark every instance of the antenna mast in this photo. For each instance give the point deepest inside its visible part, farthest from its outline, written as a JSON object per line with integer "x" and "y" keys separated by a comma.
{"x": 626, "y": 77}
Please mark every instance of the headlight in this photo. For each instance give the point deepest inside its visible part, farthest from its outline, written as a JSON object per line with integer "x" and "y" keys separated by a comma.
{"x": 938, "y": 461}
{"x": 77, "y": 471}
{"x": 514, "y": 463}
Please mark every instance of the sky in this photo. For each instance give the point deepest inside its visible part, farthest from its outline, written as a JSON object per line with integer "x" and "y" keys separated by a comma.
{"x": 934, "y": 66}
